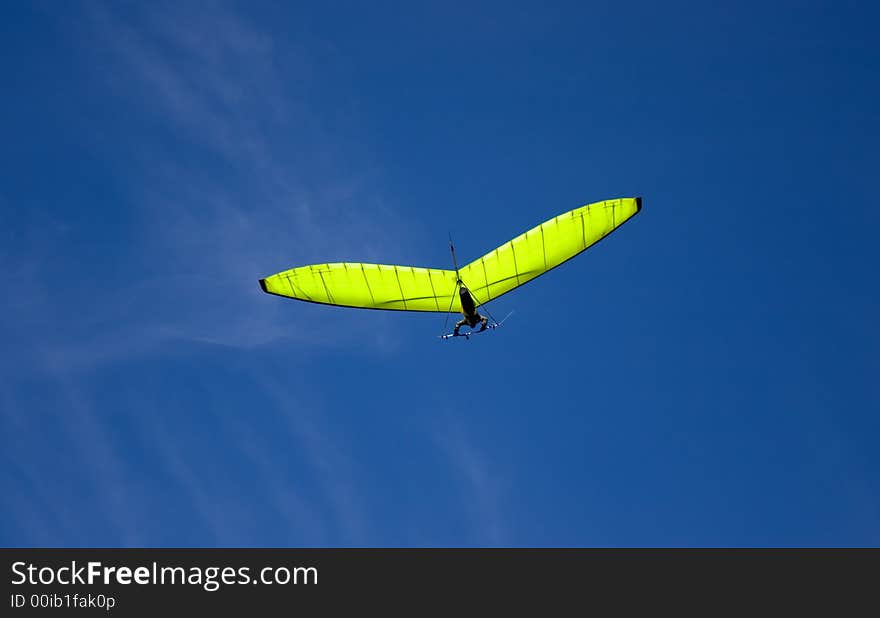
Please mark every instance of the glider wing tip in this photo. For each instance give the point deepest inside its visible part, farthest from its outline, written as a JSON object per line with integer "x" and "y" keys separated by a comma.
{"x": 638, "y": 204}
{"x": 263, "y": 286}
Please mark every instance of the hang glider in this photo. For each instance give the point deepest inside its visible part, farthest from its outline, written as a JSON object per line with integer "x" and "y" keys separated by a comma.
{"x": 410, "y": 288}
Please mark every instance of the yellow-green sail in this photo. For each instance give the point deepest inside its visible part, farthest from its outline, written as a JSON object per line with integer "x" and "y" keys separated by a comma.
{"x": 410, "y": 288}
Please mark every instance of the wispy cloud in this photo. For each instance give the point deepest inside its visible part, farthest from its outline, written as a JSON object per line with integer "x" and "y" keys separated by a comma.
{"x": 229, "y": 175}
{"x": 223, "y": 85}
{"x": 480, "y": 481}
{"x": 48, "y": 509}
{"x": 329, "y": 463}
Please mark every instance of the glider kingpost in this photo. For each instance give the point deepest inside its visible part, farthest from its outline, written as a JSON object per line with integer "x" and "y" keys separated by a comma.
{"x": 411, "y": 288}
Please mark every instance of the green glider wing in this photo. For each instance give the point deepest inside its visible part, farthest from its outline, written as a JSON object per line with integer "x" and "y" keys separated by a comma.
{"x": 368, "y": 286}
{"x": 409, "y": 288}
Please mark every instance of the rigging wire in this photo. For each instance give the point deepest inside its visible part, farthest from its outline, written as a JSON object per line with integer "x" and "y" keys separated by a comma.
{"x": 448, "y": 311}
{"x": 457, "y": 283}
{"x": 484, "y": 307}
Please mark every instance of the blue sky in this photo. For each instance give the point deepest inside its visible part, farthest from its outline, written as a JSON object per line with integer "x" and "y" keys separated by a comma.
{"x": 706, "y": 376}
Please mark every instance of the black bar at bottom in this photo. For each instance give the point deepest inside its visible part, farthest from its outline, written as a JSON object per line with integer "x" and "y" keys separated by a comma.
{"x": 125, "y": 582}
